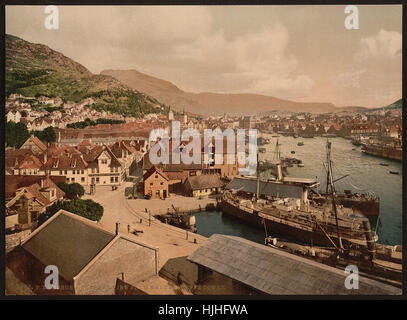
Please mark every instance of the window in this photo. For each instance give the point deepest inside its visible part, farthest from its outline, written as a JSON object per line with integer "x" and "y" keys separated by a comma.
{"x": 116, "y": 179}
{"x": 73, "y": 171}
{"x": 156, "y": 176}
{"x": 97, "y": 180}
{"x": 162, "y": 183}
{"x": 73, "y": 179}
{"x": 104, "y": 161}
{"x": 151, "y": 183}
{"x": 111, "y": 180}
{"x": 60, "y": 172}
{"x": 82, "y": 171}
{"x": 66, "y": 171}
{"x": 82, "y": 179}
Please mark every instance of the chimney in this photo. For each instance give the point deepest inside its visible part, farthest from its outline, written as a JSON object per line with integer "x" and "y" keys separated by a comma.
{"x": 117, "y": 228}
{"x": 279, "y": 172}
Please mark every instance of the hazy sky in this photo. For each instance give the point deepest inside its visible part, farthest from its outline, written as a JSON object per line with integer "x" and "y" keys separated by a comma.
{"x": 303, "y": 53}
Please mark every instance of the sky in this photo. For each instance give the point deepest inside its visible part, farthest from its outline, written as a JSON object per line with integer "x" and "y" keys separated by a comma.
{"x": 301, "y": 53}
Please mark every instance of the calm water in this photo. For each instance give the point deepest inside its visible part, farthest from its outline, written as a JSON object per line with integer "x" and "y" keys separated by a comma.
{"x": 366, "y": 174}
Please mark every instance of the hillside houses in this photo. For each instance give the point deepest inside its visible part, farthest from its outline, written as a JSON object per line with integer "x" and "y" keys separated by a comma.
{"x": 13, "y": 115}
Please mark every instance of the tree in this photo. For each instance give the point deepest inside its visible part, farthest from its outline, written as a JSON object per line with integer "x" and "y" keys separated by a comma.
{"x": 72, "y": 190}
{"x": 16, "y": 134}
{"x": 88, "y": 209}
{"x": 48, "y": 134}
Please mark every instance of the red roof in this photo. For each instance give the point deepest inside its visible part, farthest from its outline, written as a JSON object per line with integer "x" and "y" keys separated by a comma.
{"x": 37, "y": 142}
{"x": 153, "y": 170}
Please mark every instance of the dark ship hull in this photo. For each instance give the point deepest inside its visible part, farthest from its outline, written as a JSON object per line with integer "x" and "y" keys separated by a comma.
{"x": 309, "y": 232}
{"x": 383, "y": 152}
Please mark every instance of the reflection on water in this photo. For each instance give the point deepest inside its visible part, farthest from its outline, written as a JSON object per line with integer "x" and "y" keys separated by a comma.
{"x": 211, "y": 222}
{"x": 366, "y": 174}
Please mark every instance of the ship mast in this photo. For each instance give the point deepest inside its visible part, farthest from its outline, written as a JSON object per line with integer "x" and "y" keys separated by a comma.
{"x": 258, "y": 177}
{"x": 330, "y": 184}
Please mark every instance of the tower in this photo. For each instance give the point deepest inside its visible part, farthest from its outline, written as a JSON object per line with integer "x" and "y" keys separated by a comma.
{"x": 170, "y": 115}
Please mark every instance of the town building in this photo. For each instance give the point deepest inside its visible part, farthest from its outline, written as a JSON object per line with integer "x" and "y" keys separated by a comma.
{"x": 34, "y": 144}
{"x": 89, "y": 259}
{"x": 155, "y": 184}
{"x": 27, "y": 197}
{"x": 202, "y": 185}
{"x": 233, "y": 265}
{"x": 13, "y": 115}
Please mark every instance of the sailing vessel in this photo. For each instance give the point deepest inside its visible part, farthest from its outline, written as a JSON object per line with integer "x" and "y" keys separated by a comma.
{"x": 366, "y": 204}
{"x": 374, "y": 260}
{"x": 282, "y": 206}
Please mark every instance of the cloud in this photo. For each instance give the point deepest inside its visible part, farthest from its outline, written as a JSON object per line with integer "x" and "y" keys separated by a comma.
{"x": 384, "y": 45}
{"x": 253, "y": 62}
{"x": 348, "y": 79}
{"x": 185, "y": 46}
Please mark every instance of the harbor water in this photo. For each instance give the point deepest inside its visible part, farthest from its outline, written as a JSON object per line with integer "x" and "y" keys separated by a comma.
{"x": 366, "y": 174}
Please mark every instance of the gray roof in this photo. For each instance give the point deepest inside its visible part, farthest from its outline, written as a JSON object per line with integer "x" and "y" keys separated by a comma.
{"x": 272, "y": 271}
{"x": 204, "y": 181}
{"x": 68, "y": 242}
{"x": 275, "y": 189}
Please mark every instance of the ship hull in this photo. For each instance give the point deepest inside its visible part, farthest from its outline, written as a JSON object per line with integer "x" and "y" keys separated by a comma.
{"x": 275, "y": 228}
{"x": 388, "y": 153}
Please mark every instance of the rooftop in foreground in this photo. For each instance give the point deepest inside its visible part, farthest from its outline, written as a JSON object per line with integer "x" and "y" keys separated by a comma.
{"x": 274, "y": 272}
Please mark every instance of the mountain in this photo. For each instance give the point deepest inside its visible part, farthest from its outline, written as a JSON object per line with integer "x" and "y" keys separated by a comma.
{"x": 35, "y": 69}
{"x": 395, "y": 105}
{"x": 352, "y": 109}
{"x": 211, "y": 103}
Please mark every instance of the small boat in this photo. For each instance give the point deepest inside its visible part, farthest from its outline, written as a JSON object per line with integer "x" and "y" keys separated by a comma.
{"x": 300, "y": 165}
{"x": 300, "y": 143}
{"x": 384, "y": 164}
{"x": 292, "y": 152}
{"x": 393, "y": 172}
{"x": 354, "y": 149}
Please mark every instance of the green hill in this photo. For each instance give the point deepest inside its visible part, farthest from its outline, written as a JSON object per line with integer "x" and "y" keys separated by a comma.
{"x": 35, "y": 69}
{"x": 395, "y": 105}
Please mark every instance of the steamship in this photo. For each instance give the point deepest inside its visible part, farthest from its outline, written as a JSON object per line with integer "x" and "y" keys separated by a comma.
{"x": 282, "y": 207}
